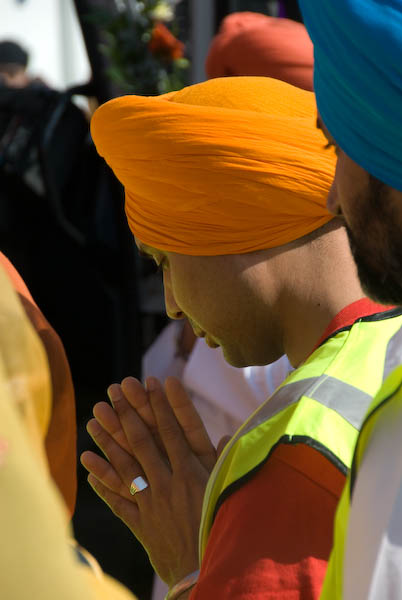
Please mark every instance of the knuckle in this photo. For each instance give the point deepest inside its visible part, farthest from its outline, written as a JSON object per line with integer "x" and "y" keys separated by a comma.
{"x": 168, "y": 431}
{"x": 121, "y": 406}
{"x": 118, "y": 506}
{"x": 139, "y": 443}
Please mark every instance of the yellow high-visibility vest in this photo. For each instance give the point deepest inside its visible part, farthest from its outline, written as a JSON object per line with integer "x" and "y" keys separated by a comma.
{"x": 321, "y": 404}
{"x": 391, "y": 391}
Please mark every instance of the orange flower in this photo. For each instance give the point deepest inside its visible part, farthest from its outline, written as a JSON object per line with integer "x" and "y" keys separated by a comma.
{"x": 163, "y": 43}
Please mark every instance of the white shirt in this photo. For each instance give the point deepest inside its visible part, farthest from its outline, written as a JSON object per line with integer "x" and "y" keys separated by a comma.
{"x": 223, "y": 395}
{"x": 373, "y": 550}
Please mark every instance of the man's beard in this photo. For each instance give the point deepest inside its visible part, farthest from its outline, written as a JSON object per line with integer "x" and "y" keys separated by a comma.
{"x": 382, "y": 284}
{"x": 376, "y": 245}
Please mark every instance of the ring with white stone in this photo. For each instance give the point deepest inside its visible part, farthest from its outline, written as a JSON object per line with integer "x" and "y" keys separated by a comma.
{"x": 138, "y": 485}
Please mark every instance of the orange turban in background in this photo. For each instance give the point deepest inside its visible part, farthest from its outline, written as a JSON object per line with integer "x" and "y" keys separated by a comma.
{"x": 227, "y": 166}
{"x": 250, "y": 43}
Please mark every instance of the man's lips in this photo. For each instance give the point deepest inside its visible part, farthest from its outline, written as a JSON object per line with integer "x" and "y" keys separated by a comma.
{"x": 209, "y": 341}
{"x": 199, "y": 333}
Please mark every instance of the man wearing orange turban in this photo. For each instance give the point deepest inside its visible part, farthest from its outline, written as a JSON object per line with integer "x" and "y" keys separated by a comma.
{"x": 226, "y": 184}
{"x": 250, "y": 43}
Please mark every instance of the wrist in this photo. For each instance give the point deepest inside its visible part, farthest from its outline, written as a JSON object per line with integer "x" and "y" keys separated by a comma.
{"x": 184, "y": 585}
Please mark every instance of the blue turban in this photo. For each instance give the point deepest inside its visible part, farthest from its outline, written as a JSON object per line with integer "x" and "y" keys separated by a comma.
{"x": 358, "y": 79}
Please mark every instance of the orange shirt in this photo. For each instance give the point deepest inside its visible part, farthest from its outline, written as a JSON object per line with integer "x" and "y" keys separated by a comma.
{"x": 281, "y": 550}
{"x": 60, "y": 440}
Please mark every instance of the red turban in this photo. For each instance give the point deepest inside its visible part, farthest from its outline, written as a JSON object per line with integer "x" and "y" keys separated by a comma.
{"x": 253, "y": 44}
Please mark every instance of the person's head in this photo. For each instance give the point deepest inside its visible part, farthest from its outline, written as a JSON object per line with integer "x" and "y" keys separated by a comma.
{"x": 13, "y": 64}
{"x": 247, "y": 303}
{"x": 358, "y": 85}
{"x": 222, "y": 179}
{"x": 250, "y": 43}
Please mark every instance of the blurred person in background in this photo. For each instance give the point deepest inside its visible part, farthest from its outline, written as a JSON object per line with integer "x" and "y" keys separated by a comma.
{"x": 13, "y": 66}
{"x": 249, "y": 43}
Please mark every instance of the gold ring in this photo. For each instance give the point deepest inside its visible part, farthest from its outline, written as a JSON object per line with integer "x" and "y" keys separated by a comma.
{"x": 138, "y": 485}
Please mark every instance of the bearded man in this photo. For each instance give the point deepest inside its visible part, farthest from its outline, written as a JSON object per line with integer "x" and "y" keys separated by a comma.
{"x": 358, "y": 85}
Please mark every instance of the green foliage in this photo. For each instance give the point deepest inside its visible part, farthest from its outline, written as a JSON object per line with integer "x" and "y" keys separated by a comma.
{"x": 133, "y": 66}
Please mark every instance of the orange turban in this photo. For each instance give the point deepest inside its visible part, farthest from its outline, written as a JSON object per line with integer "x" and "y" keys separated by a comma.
{"x": 227, "y": 166}
{"x": 253, "y": 44}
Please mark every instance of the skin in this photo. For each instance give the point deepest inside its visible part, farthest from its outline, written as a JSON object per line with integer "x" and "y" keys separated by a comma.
{"x": 162, "y": 430}
{"x": 373, "y": 215}
{"x": 257, "y": 307}
{"x": 239, "y": 302}
{"x": 14, "y": 76}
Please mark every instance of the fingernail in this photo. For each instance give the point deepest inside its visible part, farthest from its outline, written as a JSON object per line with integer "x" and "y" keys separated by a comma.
{"x": 114, "y": 393}
{"x": 93, "y": 427}
{"x": 151, "y": 384}
{"x": 91, "y": 480}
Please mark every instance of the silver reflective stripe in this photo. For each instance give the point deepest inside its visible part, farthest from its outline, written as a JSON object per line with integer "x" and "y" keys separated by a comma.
{"x": 393, "y": 354}
{"x": 348, "y": 401}
{"x": 285, "y": 396}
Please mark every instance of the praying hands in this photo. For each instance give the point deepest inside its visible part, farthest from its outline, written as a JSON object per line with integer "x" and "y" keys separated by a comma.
{"x": 159, "y": 458}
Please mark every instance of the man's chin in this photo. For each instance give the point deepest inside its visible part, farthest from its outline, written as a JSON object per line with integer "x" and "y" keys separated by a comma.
{"x": 234, "y": 359}
{"x": 237, "y": 358}
{"x": 380, "y": 275}
{"x": 378, "y": 294}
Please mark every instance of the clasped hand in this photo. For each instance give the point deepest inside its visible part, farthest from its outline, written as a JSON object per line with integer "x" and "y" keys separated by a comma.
{"x": 155, "y": 433}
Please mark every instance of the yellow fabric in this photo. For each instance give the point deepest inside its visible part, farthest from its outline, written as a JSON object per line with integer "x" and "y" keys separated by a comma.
{"x": 227, "y": 166}
{"x": 26, "y": 377}
{"x": 36, "y": 558}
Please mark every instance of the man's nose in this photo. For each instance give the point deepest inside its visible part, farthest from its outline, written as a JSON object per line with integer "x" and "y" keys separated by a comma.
{"x": 172, "y": 309}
